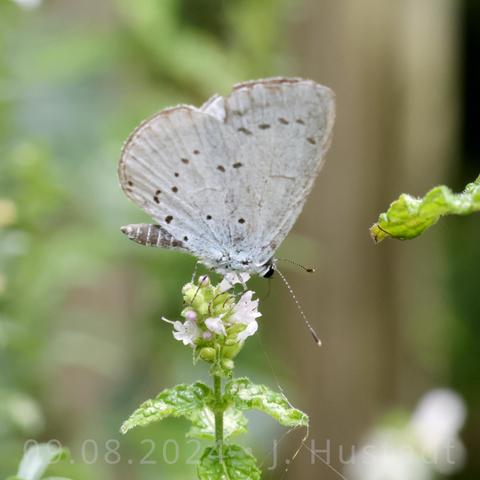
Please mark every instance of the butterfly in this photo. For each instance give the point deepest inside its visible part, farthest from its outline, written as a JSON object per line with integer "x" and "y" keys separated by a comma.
{"x": 226, "y": 182}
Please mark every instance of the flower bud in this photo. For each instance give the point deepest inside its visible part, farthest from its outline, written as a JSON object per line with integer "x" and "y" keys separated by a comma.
{"x": 232, "y": 350}
{"x": 191, "y": 315}
{"x": 207, "y": 354}
{"x": 207, "y": 335}
{"x": 228, "y": 364}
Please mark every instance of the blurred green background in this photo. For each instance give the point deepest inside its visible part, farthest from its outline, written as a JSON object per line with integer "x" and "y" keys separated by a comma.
{"x": 81, "y": 336}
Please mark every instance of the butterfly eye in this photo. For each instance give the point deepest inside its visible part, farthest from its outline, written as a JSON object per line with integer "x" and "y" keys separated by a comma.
{"x": 269, "y": 271}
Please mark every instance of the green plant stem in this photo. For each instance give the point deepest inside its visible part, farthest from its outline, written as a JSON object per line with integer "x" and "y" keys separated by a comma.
{"x": 219, "y": 409}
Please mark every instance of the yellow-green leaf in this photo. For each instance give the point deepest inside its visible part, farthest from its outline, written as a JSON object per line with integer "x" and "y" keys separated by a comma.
{"x": 409, "y": 217}
{"x": 179, "y": 401}
{"x": 247, "y": 395}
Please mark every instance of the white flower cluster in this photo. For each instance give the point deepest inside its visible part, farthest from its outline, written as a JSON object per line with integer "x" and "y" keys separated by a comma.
{"x": 215, "y": 317}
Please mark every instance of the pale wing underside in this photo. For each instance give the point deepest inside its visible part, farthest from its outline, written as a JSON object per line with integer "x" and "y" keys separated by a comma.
{"x": 230, "y": 179}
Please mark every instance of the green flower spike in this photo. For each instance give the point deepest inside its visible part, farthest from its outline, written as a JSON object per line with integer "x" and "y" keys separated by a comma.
{"x": 216, "y": 323}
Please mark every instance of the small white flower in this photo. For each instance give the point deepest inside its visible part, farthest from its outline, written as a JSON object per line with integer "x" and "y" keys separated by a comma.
{"x": 231, "y": 279}
{"x": 187, "y": 332}
{"x": 245, "y": 312}
{"x": 215, "y": 325}
{"x": 250, "y": 329}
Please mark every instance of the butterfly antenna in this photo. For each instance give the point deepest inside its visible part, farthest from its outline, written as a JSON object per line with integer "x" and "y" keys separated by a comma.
{"x": 307, "y": 269}
{"x": 300, "y": 309}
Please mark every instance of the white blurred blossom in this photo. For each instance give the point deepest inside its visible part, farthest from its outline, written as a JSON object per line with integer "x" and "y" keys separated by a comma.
{"x": 427, "y": 445}
{"x": 386, "y": 456}
{"x": 436, "y": 423}
{"x": 28, "y": 4}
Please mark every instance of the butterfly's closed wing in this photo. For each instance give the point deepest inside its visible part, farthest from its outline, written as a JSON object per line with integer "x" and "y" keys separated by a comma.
{"x": 228, "y": 181}
{"x": 173, "y": 166}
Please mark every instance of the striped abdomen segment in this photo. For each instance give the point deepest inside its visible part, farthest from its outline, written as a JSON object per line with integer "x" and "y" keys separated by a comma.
{"x": 152, "y": 236}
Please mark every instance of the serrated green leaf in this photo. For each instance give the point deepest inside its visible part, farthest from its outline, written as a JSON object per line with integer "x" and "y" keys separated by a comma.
{"x": 408, "y": 217}
{"x": 203, "y": 423}
{"x": 245, "y": 395}
{"x": 237, "y": 464}
{"x": 179, "y": 401}
{"x": 36, "y": 460}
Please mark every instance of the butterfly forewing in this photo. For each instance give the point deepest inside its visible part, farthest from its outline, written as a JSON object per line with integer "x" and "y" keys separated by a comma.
{"x": 228, "y": 180}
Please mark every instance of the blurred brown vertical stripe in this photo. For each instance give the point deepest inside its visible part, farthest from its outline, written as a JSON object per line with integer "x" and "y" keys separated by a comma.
{"x": 390, "y": 64}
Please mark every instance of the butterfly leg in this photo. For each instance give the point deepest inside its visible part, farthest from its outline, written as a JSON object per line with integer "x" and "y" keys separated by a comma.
{"x": 194, "y": 273}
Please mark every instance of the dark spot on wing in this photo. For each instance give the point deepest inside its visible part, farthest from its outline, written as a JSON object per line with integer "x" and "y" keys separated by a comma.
{"x": 241, "y": 220}
{"x": 245, "y": 262}
{"x": 300, "y": 121}
{"x": 185, "y": 160}
{"x": 185, "y": 238}
{"x": 209, "y": 217}
{"x": 130, "y": 183}
{"x": 311, "y": 140}
{"x": 244, "y": 130}
{"x": 176, "y": 174}
{"x": 177, "y": 243}
{"x": 221, "y": 168}
{"x": 237, "y": 165}
{"x": 174, "y": 189}
{"x": 283, "y": 120}
{"x": 264, "y": 126}
{"x": 156, "y": 196}
{"x": 168, "y": 218}
{"x": 196, "y": 152}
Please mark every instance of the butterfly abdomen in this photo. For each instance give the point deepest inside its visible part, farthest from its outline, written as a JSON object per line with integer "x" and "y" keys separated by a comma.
{"x": 152, "y": 236}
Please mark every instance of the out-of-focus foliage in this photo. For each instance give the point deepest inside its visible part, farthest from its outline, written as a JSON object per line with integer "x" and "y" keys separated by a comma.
{"x": 80, "y": 306}
{"x": 408, "y": 217}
